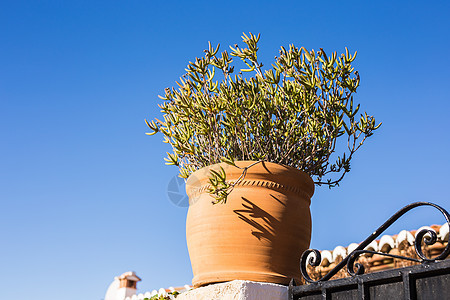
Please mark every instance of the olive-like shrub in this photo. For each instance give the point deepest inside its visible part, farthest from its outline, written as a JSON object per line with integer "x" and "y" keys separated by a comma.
{"x": 293, "y": 113}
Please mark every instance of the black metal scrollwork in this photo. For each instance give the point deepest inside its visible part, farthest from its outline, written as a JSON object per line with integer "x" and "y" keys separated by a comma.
{"x": 429, "y": 237}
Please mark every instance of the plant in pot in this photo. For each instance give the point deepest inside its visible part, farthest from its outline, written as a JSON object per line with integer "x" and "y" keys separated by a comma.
{"x": 259, "y": 140}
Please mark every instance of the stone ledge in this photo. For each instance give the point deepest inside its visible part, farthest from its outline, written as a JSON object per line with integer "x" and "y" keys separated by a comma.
{"x": 237, "y": 290}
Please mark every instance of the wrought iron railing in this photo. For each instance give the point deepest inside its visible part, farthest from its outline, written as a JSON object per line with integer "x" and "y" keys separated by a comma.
{"x": 428, "y": 236}
{"x": 359, "y": 285}
{"x": 428, "y": 281}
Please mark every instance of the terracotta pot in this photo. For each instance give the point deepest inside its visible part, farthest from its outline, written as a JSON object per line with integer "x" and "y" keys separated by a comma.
{"x": 259, "y": 234}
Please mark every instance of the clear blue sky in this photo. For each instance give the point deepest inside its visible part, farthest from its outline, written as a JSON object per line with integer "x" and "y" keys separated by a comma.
{"x": 83, "y": 191}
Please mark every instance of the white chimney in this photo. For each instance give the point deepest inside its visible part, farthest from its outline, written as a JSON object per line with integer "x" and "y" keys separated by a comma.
{"x": 123, "y": 286}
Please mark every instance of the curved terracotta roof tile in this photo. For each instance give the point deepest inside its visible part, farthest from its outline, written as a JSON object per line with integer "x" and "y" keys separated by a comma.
{"x": 443, "y": 232}
{"x": 351, "y": 247}
{"x": 386, "y": 243}
{"x": 404, "y": 235}
{"x": 327, "y": 258}
{"x": 372, "y": 246}
{"x": 339, "y": 251}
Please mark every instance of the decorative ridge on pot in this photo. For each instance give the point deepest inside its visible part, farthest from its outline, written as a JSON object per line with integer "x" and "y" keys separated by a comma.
{"x": 260, "y": 176}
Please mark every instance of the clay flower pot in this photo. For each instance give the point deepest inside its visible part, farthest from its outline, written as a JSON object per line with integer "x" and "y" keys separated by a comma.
{"x": 259, "y": 234}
